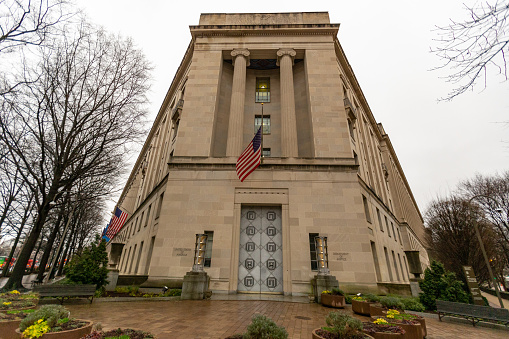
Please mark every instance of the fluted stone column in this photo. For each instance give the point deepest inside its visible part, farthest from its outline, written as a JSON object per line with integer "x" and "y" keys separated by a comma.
{"x": 236, "y": 123}
{"x": 289, "y": 147}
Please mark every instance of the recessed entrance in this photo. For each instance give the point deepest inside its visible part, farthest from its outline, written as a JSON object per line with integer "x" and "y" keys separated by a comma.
{"x": 260, "y": 251}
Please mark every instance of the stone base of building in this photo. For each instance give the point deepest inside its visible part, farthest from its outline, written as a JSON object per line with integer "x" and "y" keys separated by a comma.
{"x": 195, "y": 286}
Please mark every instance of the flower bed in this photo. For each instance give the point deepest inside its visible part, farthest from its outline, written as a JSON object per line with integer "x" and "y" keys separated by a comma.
{"x": 15, "y": 300}
{"x": 334, "y": 298}
{"x": 379, "y": 330}
{"x": 52, "y": 321}
{"x": 122, "y": 333}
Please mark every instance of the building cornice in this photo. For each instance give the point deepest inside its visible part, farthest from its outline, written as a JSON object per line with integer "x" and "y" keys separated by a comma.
{"x": 259, "y": 30}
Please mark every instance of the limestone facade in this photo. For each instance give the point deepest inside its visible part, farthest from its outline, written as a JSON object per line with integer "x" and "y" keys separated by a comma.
{"x": 332, "y": 169}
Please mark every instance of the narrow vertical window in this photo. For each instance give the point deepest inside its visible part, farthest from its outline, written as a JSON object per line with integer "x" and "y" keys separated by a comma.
{"x": 148, "y": 216}
{"x": 366, "y": 209}
{"x": 208, "y": 249}
{"x": 350, "y": 128}
{"x": 262, "y": 90}
{"x": 393, "y": 232}
{"x": 379, "y": 219}
{"x": 141, "y": 220}
{"x": 401, "y": 266}
{"x": 395, "y": 264}
{"x": 266, "y": 123}
{"x": 387, "y": 227}
{"x": 375, "y": 261}
{"x": 159, "y": 205}
{"x": 312, "y": 251}
{"x": 132, "y": 259}
{"x": 387, "y": 261}
{"x": 138, "y": 260}
{"x": 134, "y": 228}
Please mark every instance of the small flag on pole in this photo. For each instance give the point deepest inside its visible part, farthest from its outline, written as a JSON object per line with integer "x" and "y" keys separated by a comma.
{"x": 116, "y": 223}
{"x": 250, "y": 159}
{"x": 104, "y": 232}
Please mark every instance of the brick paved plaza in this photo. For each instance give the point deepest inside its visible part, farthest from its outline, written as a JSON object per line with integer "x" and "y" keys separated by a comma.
{"x": 221, "y": 318}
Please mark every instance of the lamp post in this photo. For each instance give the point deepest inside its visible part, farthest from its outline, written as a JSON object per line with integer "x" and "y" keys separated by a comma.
{"x": 483, "y": 250}
{"x": 322, "y": 255}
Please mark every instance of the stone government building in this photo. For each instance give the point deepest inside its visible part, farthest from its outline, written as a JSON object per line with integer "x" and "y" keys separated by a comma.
{"x": 328, "y": 169}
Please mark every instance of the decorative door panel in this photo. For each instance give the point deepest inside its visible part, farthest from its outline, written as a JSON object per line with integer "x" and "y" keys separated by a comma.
{"x": 260, "y": 251}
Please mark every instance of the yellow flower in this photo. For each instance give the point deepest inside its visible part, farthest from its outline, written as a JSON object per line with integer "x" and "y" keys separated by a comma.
{"x": 14, "y": 292}
{"x": 7, "y": 303}
{"x": 381, "y": 321}
{"x": 326, "y": 292}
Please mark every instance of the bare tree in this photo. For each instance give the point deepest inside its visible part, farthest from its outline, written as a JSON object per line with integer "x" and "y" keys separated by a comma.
{"x": 28, "y": 22}
{"x": 472, "y": 46}
{"x": 453, "y": 238}
{"x": 75, "y": 121}
{"x": 491, "y": 193}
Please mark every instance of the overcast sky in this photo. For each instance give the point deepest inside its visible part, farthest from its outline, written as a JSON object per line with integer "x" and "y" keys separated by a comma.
{"x": 388, "y": 45}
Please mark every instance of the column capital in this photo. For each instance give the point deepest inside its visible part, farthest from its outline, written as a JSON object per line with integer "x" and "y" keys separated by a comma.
{"x": 240, "y": 51}
{"x": 285, "y": 51}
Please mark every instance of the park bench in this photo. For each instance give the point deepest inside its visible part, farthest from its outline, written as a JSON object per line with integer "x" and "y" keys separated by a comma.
{"x": 61, "y": 292}
{"x": 474, "y": 313}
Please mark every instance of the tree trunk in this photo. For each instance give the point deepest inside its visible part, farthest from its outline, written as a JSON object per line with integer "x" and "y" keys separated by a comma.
{"x": 35, "y": 255}
{"x": 11, "y": 254}
{"x": 64, "y": 256}
{"x": 48, "y": 248}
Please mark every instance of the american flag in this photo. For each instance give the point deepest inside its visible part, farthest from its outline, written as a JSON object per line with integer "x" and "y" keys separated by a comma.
{"x": 116, "y": 223}
{"x": 250, "y": 159}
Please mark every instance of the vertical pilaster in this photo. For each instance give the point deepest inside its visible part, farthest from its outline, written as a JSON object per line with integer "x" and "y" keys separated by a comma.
{"x": 289, "y": 146}
{"x": 236, "y": 123}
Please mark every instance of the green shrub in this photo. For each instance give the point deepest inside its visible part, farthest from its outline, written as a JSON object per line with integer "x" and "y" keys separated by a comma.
{"x": 342, "y": 324}
{"x": 438, "y": 283}
{"x": 348, "y": 298}
{"x": 413, "y": 304}
{"x": 174, "y": 292}
{"x": 264, "y": 328}
{"x": 49, "y": 313}
{"x": 391, "y": 302}
{"x": 371, "y": 297}
{"x": 122, "y": 289}
{"x": 337, "y": 291}
{"x": 91, "y": 266}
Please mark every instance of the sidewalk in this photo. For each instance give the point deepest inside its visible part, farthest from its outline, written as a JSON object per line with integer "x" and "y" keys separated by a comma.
{"x": 493, "y": 300}
{"x": 222, "y": 318}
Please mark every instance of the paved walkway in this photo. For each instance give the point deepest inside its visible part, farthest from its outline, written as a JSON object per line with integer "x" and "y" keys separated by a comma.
{"x": 221, "y": 318}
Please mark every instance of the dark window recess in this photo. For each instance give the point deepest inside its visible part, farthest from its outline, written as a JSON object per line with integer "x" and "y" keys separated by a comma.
{"x": 366, "y": 209}
{"x": 312, "y": 251}
{"x": 262, "y": 90}
{"x": 208, "y": 249}
{"x": 266, "y": 152}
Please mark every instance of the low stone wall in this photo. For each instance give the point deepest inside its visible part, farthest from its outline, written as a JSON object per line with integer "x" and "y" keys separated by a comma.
{"x": 129, "y": 280}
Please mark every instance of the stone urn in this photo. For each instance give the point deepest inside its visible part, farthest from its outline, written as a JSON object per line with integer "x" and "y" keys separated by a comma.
{"x": 317, "y": 336}
{"x": 361, "y": 307}
{"x": 330, "y": 300}
{"x": 76, "y": 333}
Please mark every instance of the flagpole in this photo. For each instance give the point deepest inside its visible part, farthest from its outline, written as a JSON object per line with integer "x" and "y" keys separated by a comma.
{"x": 261, "y": 160}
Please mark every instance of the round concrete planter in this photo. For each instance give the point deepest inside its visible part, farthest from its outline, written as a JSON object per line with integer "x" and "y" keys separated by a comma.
{"x": 376, "y": 309}
{"x": 421, "y": 320}
{"x": 8, "y": 329}
{"x": 71, "y": 334}
{"x": 337, "y": 301}
{"x": 411, "y": 331}
{"x": 316, "y": 336}
{"x": 361, "y": 307}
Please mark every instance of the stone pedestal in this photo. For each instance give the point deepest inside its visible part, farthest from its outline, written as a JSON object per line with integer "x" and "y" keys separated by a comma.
{"x": 414, "y": 286}
{"x": 323, "y": 283}
{"x": 195, "y": 285}
{"x": 112, "y": 280}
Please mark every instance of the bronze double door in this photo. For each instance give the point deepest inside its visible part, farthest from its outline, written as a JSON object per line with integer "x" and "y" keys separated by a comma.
{"x": 260, "y": 250}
